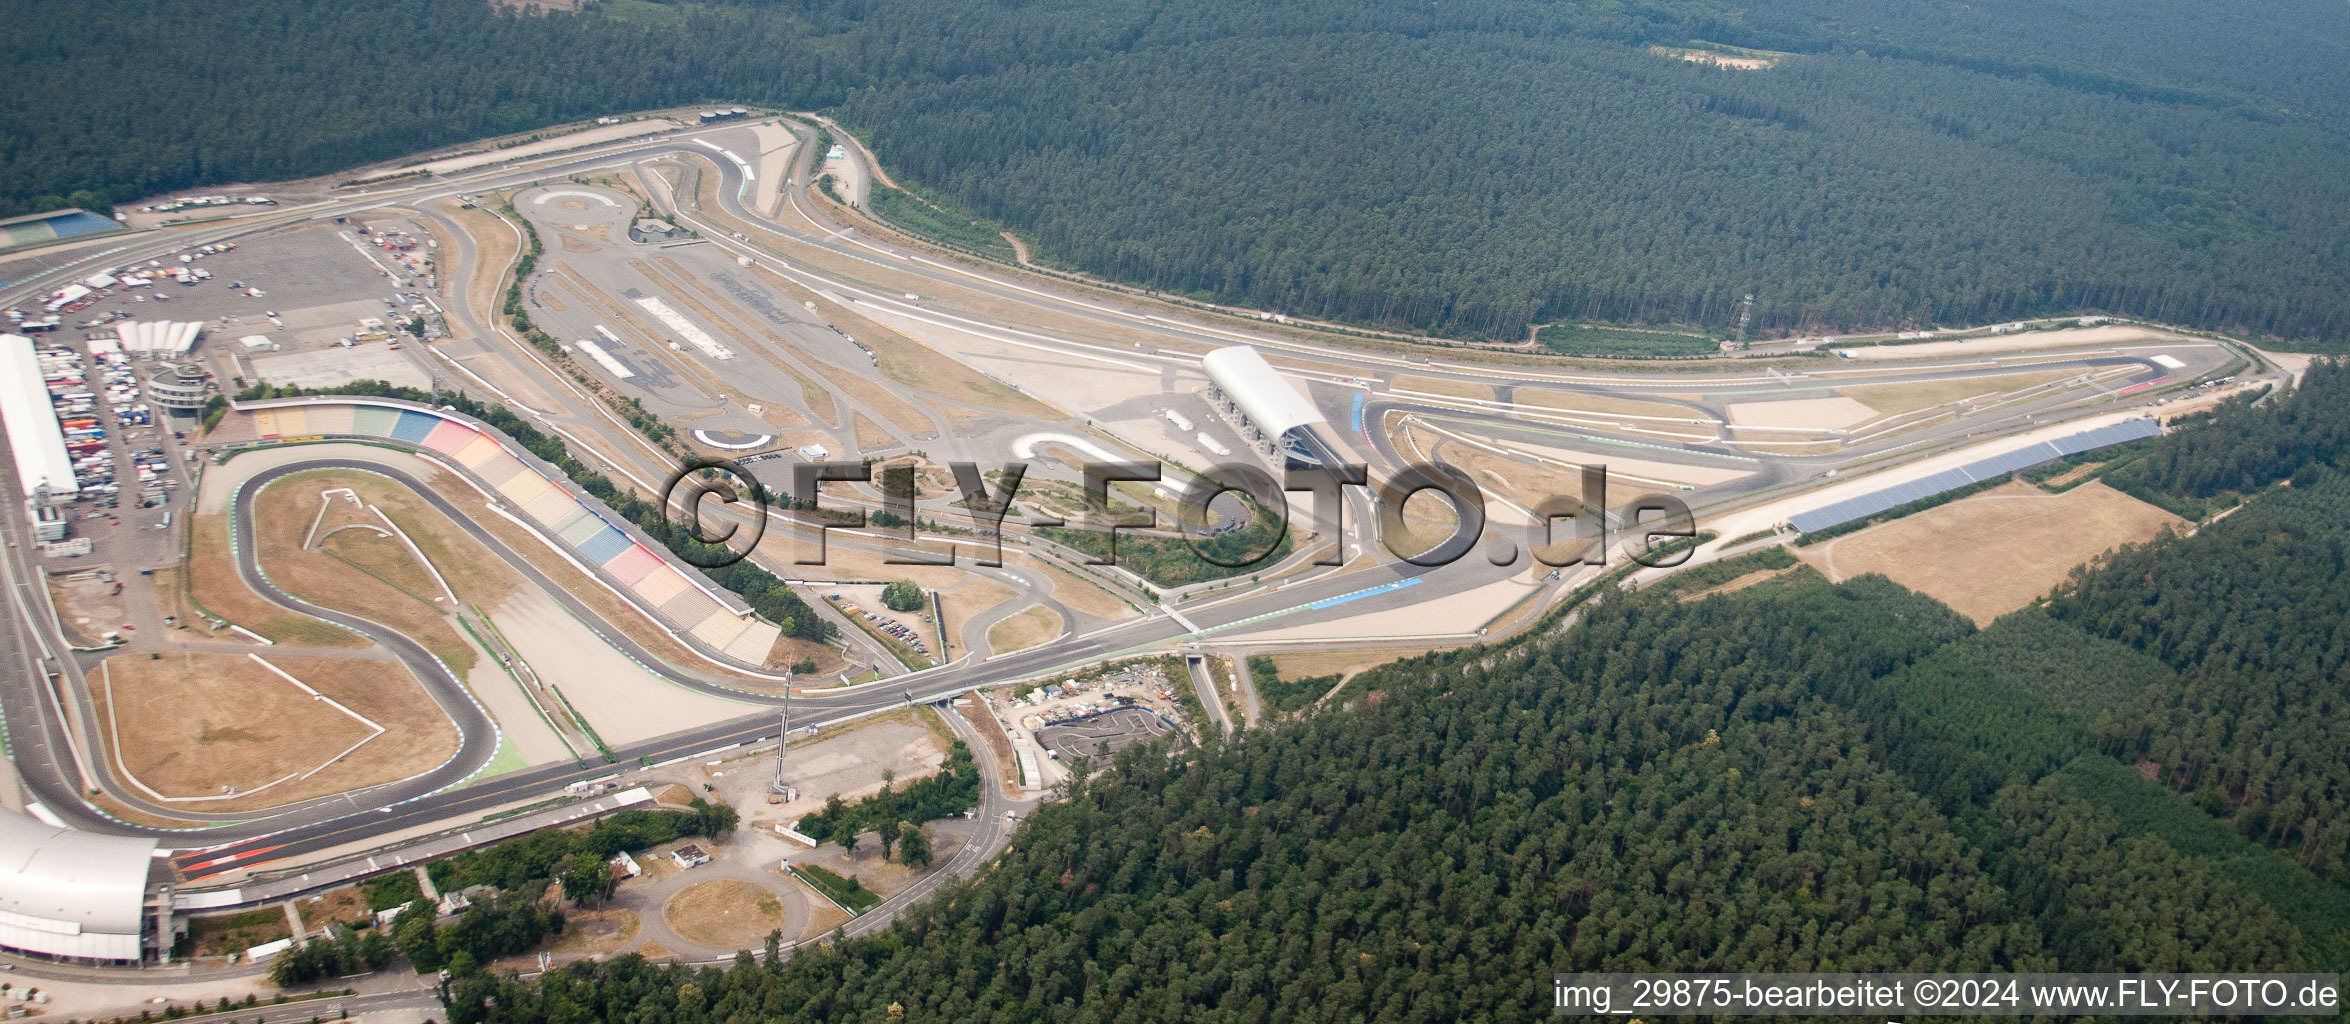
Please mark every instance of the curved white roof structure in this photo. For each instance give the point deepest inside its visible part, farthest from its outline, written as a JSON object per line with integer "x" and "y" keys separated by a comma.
{"x": 1271, "y": 404}
{"x": 158, "y": 337}
{"x": 69, "y": 893}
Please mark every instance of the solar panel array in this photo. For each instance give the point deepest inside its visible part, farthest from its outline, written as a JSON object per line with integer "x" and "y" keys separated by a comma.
{"x": 1870, "y": 504}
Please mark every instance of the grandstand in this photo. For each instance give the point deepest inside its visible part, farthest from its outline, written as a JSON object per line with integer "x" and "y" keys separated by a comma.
{"x": 1273, "y": 417}
{"x": 1874, "y": 502}
{"x": 41, "y": 228}
{"x": 595, "y": 536}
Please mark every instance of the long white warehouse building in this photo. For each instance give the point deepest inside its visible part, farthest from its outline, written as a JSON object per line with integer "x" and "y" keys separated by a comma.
{"x": 33, "y": 434}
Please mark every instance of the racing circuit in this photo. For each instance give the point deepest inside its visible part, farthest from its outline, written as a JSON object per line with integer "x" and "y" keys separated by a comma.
{"x": 1077, "y": 370}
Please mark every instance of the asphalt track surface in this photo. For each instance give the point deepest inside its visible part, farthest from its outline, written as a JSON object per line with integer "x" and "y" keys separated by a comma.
{"x": 1120, "y": 728}
{"x": 47, "y": 763}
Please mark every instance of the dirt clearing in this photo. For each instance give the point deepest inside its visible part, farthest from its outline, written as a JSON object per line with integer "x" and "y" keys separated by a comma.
{"x": 1024, "y": 630}
{"x": 727, "y": 913}
{"x": 1991, "y": 554}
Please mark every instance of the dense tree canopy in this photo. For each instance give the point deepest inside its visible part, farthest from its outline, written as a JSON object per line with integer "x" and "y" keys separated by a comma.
{"x": 1469, "y": 167}
{"x": 1794, "y": 776}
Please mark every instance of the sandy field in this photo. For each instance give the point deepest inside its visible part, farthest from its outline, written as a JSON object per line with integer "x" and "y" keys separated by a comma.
{"x": 2018, "y": 342}
{"x": 1993, "y": 553}
{"x": 213, "y": 583}
{"x": 1620, "y": 464}
{"x": 1803, "y": 413}
{"x": 621, "y": 701}
{"x": 195, "y": 722}
{"x": 1442, "y": 386}
{"x": 777, "y": 146}
{"x": 1024, "y": 630}
{"x": 724, "y": 913}
{"x": 1912, "y": 396}
{"x": 1459, "y": 613}
{"x": 1604, "y": 405}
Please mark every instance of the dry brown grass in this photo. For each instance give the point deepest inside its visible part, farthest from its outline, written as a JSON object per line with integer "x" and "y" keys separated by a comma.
{"x": 213, "y": 583}
{"x": 594, "y": 932}
{"x": 1443, "y": 386}
{"x": 1889, "y": 399}
{"x": 195, "y": 722}
{"x": 384, "y": 557}
{"x": 1995, "y": 552}
{"x": 1603, "y": 405}
{"x": 823, "y": 917}
{"x": 975, "y": 596}
{"x": 494, "y": 244}
{"x": 2068, "y": 476}
{"x": 870, "y": 436}
{"x": 238, "y": 931}
{"x": 347, "y": 905}
{"x": 1024, "y": 630}
{"x": 1344, "y": 662}
{"x": 282, "y": 517}
{"x": 1740, "y": 583}
{"x": 1077, "y": 594}
{"x": 726, "y": 913}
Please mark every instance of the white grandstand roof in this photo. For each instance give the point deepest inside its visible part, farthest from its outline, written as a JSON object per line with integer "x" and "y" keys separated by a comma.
{"x": 69, "y": 893}
{"x": 1270, "y": 402}
{"x": 33, "y": 434}
{"x": 158, "y": 337}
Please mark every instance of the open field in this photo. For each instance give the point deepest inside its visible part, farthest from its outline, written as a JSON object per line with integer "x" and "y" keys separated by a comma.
{"x": 1075, "y": 594}
{"x": 594, "y": 932}
{"x": 494, "y": 245}
{"x": 1604, "y": 405}
{"x": 725, "y": 913}
{"x": 1995, "y": 552}
{"x": 1914, "y": 395}
{"x": 1802, "y": 413}
{"x": 1024, "y": 630}
{"x": 1346, "y": 662}
{"x": 213, "y": 583}
{"x": 282, "y": 517}
{"x": 384, "y": 558}
{"x": 975, "y": 596}
{"x": 205, "y": 721}
{"x": 1443, "y": 386}
{"x": 87, "y": 608}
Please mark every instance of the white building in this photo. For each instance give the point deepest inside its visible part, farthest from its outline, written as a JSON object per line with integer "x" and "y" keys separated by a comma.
{"x": 33, "y": 434}
{"x": 157, "y": 339}
{"x": 72, "y": 894}
{"x": 1273, "y": 416}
